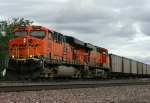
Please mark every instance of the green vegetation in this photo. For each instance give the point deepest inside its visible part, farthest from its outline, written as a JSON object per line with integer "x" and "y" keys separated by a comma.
{"x": 6, "y": 29}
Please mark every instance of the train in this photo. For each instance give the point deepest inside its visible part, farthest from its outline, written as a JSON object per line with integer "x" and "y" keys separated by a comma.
{"x": 39, "y": 52}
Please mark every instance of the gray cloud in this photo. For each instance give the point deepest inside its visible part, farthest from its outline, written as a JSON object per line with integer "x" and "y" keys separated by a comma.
{"x": 145, "y": 28}
{"x": 121, "y": 26}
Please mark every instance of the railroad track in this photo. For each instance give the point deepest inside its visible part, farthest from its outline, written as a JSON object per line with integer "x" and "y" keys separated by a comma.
{"x": 33, "y": 87}
{"x": 15, "y": 81}
{"x": 80, "y": 80}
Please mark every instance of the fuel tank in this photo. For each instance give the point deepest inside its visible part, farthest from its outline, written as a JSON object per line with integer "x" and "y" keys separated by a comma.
{"x": 63, "y": 71}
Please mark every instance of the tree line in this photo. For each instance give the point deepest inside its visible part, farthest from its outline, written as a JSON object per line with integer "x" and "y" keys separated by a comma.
{"x": 6, "y": 30}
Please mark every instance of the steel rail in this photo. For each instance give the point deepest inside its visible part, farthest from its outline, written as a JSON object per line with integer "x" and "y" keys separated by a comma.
{"x": 17, "y": 88}
{"x": 31, "y": 81}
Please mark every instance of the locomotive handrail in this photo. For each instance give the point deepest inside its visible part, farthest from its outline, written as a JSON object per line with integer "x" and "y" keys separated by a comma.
{"x": 36, "y": 53}
{"x": 6, "y": 60}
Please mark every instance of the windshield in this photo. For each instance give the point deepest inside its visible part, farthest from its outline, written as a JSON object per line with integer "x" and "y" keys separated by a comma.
{"x": 20, "y": 33}
{"x": 37, "y": 33}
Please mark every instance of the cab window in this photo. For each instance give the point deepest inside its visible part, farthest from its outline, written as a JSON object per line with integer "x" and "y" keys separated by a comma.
{"x": 49, "y": 35}
{"x": 20, "y": 33}
{"x": 38, "y": 34}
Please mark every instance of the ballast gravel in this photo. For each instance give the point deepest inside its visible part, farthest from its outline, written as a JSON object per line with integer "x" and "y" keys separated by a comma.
{"x": 114, "y": 94}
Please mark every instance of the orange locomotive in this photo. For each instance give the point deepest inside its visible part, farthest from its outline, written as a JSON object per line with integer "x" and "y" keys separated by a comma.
{"x": 35, "y": 51}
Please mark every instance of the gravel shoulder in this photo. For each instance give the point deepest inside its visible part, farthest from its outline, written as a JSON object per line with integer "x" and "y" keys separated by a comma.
{"x": 116, "y": 94}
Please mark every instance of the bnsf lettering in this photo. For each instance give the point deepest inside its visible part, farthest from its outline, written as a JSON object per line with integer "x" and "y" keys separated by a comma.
{"x": 24, "y": 45}
{"x": 14, "y": 45}
{"x": 37, "y": 45}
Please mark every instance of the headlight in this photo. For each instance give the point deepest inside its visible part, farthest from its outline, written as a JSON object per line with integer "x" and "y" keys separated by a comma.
{"x": 24, "y": 40}
{"x": 30, "y": 56}
{"x": 36, "y": 27}
{"x": 13, "y": 56}
{"x": 22, "y": 27}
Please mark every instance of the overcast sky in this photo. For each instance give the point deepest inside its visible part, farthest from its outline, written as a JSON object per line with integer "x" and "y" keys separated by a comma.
{"x": 121, "y": 26}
